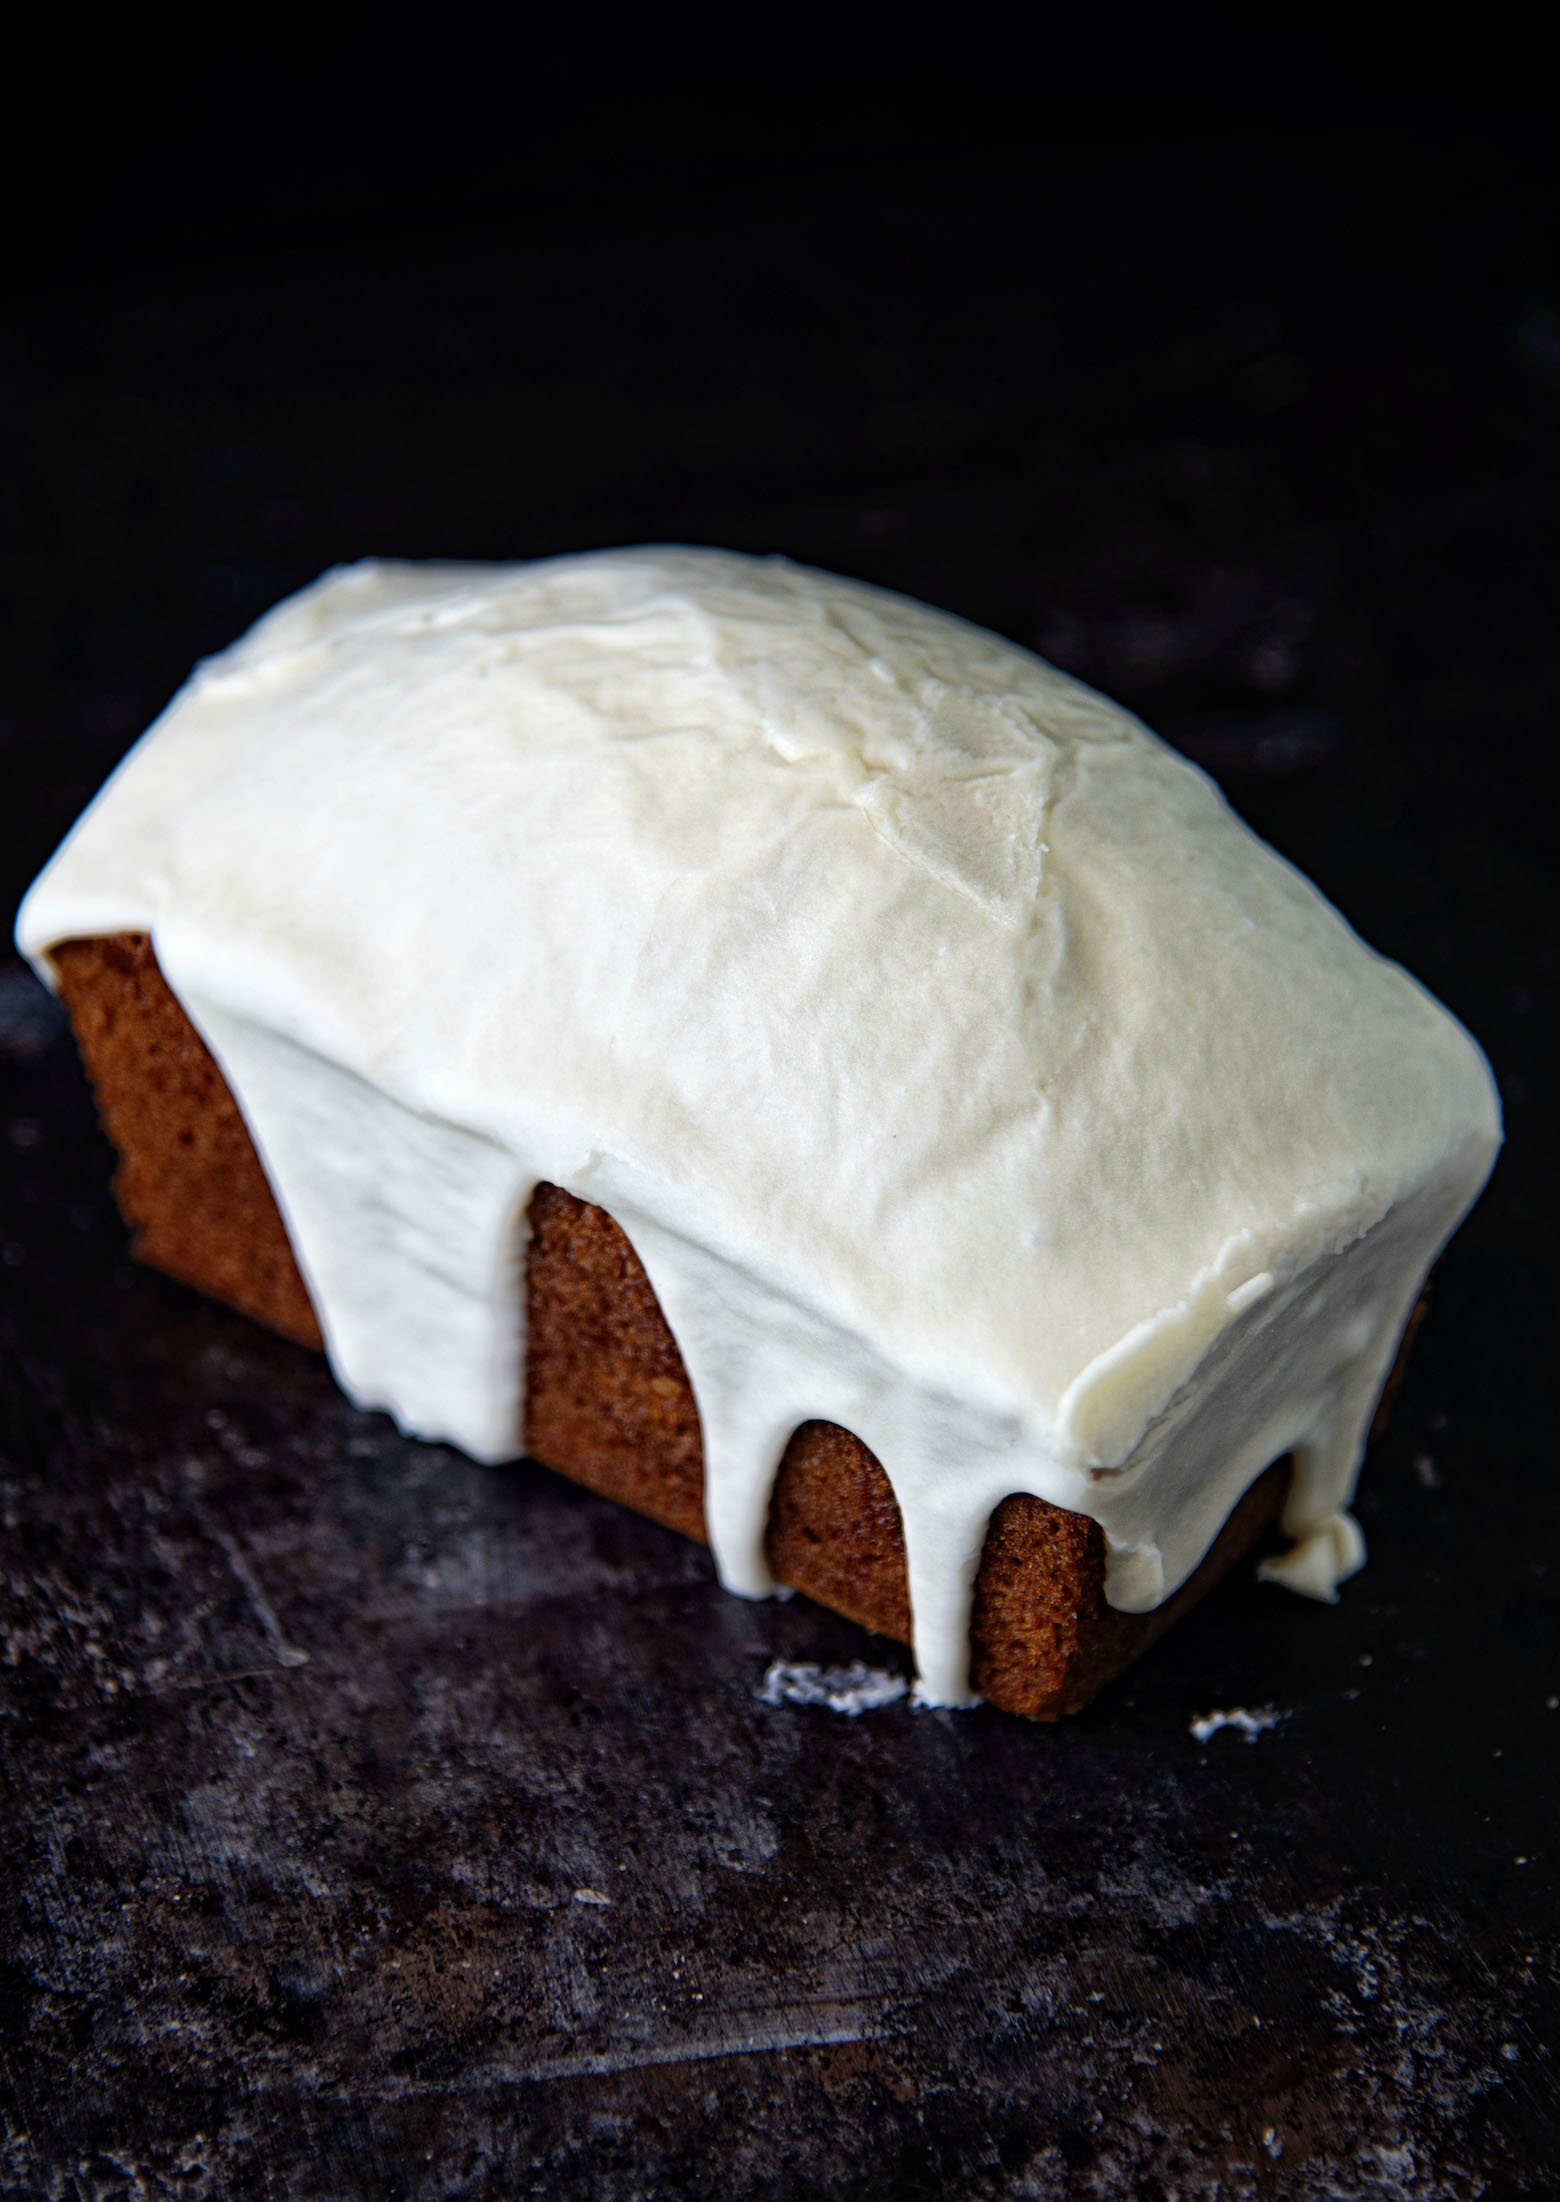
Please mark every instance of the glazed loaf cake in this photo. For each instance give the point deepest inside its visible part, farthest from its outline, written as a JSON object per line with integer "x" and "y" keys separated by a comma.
{"x": 789, "y": 1059}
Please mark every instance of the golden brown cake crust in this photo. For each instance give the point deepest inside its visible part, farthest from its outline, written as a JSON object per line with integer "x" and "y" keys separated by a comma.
{"x": 608, "y": 1401}
{"x": 190, "y": 1184}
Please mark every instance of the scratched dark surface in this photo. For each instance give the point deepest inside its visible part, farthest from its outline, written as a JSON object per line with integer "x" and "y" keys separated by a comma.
{"x": 381, "y": 1825}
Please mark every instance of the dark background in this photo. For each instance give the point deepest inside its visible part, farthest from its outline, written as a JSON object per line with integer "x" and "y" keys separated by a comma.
{"x": 1257, "y": 427}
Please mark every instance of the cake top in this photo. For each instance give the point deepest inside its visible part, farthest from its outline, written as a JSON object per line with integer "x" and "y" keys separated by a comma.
{"x": 912, "y": 983}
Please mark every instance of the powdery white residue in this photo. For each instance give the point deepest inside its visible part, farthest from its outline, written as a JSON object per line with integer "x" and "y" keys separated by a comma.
{"x": 1250, "y": 1725}
{"x": 853, "y": 1689}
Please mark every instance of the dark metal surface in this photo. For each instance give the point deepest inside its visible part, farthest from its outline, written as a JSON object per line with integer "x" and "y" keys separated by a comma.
{"x": 380, "y": 1825}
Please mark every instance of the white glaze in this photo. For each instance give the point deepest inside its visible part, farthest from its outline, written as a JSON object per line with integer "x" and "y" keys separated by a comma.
{"x": 961, "y": 1068}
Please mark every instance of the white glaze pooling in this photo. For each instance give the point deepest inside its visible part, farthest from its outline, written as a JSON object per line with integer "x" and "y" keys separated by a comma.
{"x": 961, "y": 1068}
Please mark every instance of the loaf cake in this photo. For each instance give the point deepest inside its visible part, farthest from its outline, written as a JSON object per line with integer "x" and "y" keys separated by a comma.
{"x": 787, "y": 1058}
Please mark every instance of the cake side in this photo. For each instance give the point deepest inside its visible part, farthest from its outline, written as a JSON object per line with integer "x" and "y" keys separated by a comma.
{"x": 608, "y": 1401}
{"x": 189, "y": 1183}
{"x": 608, "y": 1398}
